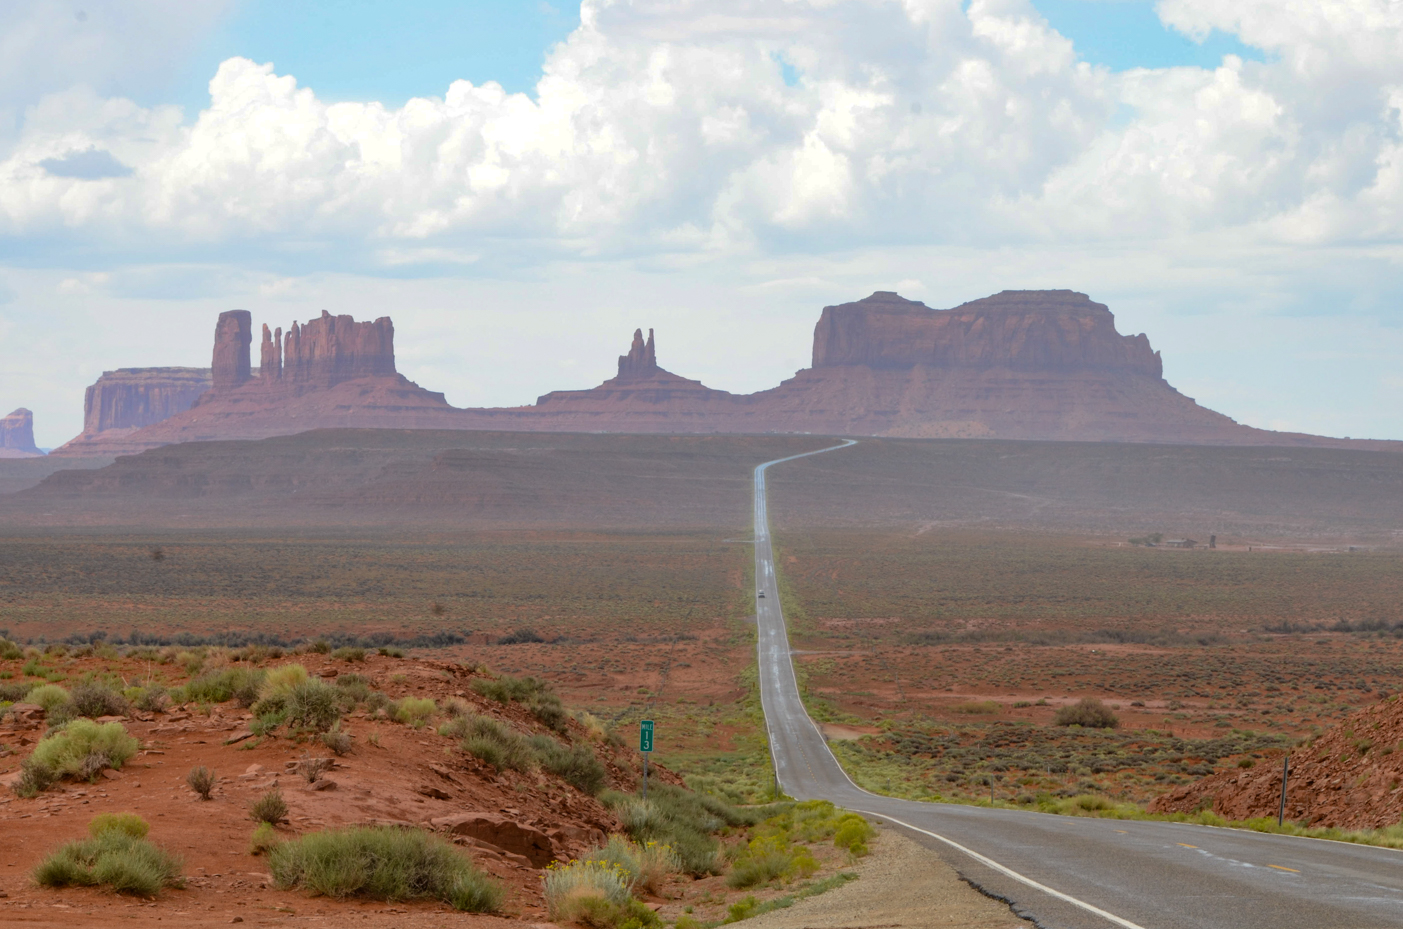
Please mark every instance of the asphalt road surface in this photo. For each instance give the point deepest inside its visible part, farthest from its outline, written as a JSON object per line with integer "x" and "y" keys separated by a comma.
{"x": 1083, "y": 873}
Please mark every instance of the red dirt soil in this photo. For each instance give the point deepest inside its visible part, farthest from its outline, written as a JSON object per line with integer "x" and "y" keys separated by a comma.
{"x": 411, "y": 777}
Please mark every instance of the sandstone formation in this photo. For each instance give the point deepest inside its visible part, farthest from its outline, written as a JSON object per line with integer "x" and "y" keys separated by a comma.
{"x": 17, "y": 435}
{"x": 232, "y": 335}
{"x": 1017, "y": 330}
{"x": 1044, "y": 365}
{"x": 128, "y": 399}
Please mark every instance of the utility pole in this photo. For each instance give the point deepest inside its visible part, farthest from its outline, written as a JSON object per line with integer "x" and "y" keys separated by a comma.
{"x": 1285, "y": 770}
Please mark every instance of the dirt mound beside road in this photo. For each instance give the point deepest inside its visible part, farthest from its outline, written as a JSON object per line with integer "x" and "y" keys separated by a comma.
{"x": 1348, "y": 778}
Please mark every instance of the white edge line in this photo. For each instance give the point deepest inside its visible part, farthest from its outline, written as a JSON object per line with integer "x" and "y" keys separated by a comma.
{"x": 989, "y": 862}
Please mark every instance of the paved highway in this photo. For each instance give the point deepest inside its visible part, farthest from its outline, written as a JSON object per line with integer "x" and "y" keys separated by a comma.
{"x": 1081, "y": 873}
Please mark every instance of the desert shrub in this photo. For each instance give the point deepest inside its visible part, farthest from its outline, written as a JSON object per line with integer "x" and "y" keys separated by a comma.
{"x": 768, "y": 857}
{"x": 383, "y": 863}
{"x": 497, "y": 745}
{"x": 312, "y": 768}
{"x": 376, "y": 702}
{"x": 313, "y": 704}
{"x": 577, "y": 765}
{"x": 589, "y": 892}
{"x": 14, "y": 693}
{"x": 353, "y": 687}
{"x": 549, "y": 711}
{"x": 339, "y": 741}
{"x": 125, "y": 823}
{"x": 681, "y": 819}
{"x": 645, "y": 866}
{"x": 113, "y": 858}
{"x": 201, "y": 780}
{"x": 281, "y": 679}
{"x": 191, "y": 662}
{"x": 1088, "y": 713}
{"x": 413, "y": 711}
{"x": 92, "y": 699}
{"x": 79, "y": 749}
{"x": 241, "y": 684}
{"x": 521, "y": 636}
{"x": 390, "y": 651}
{"x": 264, "y": 839}
{"x": 506, "y": 689}
{"x": 153, "y": 698}
{"x": 977, "y": 708}
{"x": 457, "y": 706}
{"x": 349, "y": 653}
{"x": 47, "y": 696}
{"x": 9, "y": 651}
{"x": 270, "y": 808}
{"x": 853, "y": 833}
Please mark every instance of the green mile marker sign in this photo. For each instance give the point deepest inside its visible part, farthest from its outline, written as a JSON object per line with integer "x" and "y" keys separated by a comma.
{"x": 645, "y": 736}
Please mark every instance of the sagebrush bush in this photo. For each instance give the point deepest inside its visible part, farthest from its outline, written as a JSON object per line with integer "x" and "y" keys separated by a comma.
{"x": 383, "y": 863}
{"x": 646, "y": 866}
{"x": 349, "y": 653}
{"x": 313, "y": 704}
{"x": 769, "y": 857}
{"x": 589, "y": 892}
{"x": 241, "y": 684}
{"x": 14, "y": 692}
{"x": 339, "y": 741}
{"x": 390, "y": 651}
{"x": 413, "y": 711}
{"x": 201, "y": 781}
{"x": 9, "y": 651}
{"x": 681, "y": 819}
{"x": 47, "y": 696}
{"x": 270, "y": 808}
{"x": 853, "y": 833}
{"x": 576, "y": 765}
{"x": 508, "y": 689}
{"x": 92, "y": 699}
{"x": 80, "y": 749}
{"x": 113, "y": 858}
{"x": 281, "y": 679}
{"x": 153, "y": 698}
{"x": 1088, "y": 713}
{"x": 497, "y": 745}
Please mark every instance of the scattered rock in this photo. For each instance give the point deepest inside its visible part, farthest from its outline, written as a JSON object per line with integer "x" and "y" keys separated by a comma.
{"x": 518, "y": 838}
{"x": 436, "y": 793}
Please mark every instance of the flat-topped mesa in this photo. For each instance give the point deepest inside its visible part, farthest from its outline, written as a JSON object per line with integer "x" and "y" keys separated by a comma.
{"x": 17, "y": 433}
{"x": 641, "y": 360}
{"x": 130, "y": 398}
{"x": 232, "y": 336}
{"x": 326, "y": 351}
{"x": 1018, "y": 330}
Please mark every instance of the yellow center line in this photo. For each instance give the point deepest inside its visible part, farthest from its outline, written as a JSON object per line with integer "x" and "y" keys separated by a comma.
{"x": 1122, "y": 832}
{"x": 1280, "y": 868}
{"x": 1185, "y": 846}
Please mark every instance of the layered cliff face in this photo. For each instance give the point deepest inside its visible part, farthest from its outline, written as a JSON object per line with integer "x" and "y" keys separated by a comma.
{"x": 1019, "y": 330}
{"x": 130, "y": 398}
{"x": 17, "y": 435}
{"x": 325, "y": 352}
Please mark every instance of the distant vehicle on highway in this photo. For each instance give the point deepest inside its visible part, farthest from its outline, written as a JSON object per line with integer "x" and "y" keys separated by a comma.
{"x": 761, "y": 595}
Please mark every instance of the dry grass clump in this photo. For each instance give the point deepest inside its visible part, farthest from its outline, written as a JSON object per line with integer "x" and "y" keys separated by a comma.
{"x": 264, "y": 839}
{"x": 383, "y": 863}
{"x": 413, "y": 711}
{"x": 80, "y": 749}
{"x": 645, "y": 866}
{"x": 117, "y": 855}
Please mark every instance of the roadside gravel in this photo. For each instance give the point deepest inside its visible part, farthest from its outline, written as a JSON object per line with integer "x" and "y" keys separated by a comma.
{"x": 900, "y": 886}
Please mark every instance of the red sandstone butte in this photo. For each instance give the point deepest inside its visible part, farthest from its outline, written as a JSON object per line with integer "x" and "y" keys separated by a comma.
{"x": 17, "y": 435}
{"x": 1025, "y": 364}
{"x": 128, "y": 399}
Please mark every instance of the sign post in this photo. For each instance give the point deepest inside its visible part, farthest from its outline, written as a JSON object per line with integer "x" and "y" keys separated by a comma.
{"x": 645, "y": 745}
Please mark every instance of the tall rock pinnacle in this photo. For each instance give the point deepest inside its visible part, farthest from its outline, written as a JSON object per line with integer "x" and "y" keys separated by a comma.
{"x": 642, "y": 358}
{"x": 232, "y": 336}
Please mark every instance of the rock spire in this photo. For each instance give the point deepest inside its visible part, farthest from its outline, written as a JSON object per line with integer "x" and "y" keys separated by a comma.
{"x": 642, "y": 357}
{"x": 232, "y": 336}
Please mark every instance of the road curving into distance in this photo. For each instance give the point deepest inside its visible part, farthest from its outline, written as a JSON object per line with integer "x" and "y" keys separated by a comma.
{"x": 1073, "y": 872}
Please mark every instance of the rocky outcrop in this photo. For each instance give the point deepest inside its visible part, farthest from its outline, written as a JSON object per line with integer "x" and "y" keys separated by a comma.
{"x": 1018, "y": 330}
{"x": 232, "y": 336}
{"x": 270, "y": 366}
{"x": 1348, "y": 778}
{"x": 327, "y": 351}
{"x": 641, "y": 360}
{"x": 17, "y": 435}
{"x": 130, "y": 398}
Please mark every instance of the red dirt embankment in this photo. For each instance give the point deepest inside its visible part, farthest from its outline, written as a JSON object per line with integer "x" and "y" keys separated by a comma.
{"x": 1349, "y": 778}
{"x": 510, "y": 823}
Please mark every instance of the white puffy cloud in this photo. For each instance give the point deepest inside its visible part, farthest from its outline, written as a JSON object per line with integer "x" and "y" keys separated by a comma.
{"x": 961, "y": 145}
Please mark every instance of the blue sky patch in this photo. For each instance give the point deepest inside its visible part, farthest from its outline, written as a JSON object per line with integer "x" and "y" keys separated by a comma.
{"x": 1125, "y": 34}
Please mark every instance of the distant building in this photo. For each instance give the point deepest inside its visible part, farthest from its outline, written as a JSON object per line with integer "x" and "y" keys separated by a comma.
{"x": 1180, "y": 543}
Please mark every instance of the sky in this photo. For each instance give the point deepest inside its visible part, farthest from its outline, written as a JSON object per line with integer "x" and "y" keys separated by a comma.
{"x": 522, "y": 184}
